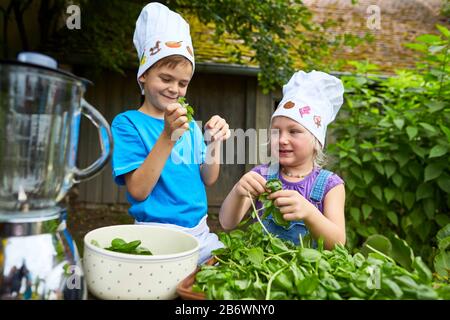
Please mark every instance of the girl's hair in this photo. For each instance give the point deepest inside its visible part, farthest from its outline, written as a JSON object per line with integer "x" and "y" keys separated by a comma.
{"x": 319, "y": 157}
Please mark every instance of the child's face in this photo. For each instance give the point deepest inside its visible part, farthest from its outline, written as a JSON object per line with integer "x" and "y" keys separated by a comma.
{"x": 294, "y": 145}
{"x": 164, "y": 85}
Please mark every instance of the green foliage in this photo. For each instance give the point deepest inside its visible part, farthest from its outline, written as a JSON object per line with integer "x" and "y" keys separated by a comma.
{"x": 445, "y": 11}
{"x": 254, "y": 265}
{"x": 392, "y": 146}
{"x": 280, "y": 33}
{"x": 105, "y": 37}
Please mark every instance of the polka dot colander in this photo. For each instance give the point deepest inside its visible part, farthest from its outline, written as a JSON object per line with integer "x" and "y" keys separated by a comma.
{"x": 121, "y": 276}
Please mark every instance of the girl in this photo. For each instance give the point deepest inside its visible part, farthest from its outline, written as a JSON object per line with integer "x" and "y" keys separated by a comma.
{"x": 312, "y": 199}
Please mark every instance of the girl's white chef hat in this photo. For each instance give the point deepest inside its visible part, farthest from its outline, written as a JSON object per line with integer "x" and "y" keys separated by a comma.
{"x": 159, "y": 33}
{"x": 312, "y": 99}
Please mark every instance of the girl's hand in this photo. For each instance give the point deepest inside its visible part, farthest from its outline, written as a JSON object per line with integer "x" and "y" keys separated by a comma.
{"x": 175, "y": 121}
{"x": 250, "y": 182}
{"x": 292, "y": 204}
{"x": 217, "y": 129}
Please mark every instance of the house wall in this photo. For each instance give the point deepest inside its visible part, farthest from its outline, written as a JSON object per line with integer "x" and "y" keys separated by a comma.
{"x": 235, "y": 98}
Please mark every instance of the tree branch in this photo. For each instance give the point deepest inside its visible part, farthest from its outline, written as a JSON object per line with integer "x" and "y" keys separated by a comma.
{"x": 48, "y": 18}
{"x": 18, "y": 12}
{"x": 6, "y": 14}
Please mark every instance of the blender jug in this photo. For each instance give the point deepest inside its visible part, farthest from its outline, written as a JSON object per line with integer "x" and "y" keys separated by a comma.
{"x": 39, "y": 259}
{"x": 40, "y": 112}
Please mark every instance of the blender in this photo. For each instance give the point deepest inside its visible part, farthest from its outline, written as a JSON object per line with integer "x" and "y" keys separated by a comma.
{"x": 40, "y": 113}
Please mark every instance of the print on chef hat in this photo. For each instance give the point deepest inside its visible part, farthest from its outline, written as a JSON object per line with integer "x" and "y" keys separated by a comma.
{"x": 154, "y": 50}
{"x": 289, "y": 105}
{"x": 143, "y": 59}
{"x": 304, "y": 110}
{"x": 189, "y": 50}
{"x": 173, "y": 44}
{"x": 317, "y": 121}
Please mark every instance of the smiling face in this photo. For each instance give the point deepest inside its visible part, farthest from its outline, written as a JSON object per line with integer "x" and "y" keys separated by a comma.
{"x": 164, "y": 84}
{"x": 294, "y": 144}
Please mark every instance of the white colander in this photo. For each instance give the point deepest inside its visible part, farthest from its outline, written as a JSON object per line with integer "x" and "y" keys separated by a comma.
{"x": 121, "y": 276}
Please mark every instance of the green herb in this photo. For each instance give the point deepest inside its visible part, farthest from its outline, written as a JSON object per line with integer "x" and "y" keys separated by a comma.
{"x": 120, "y": 245}
{"x": 190, "y": 110}
{"x": 255, "y": 265}
{"x": 273, "y": 185}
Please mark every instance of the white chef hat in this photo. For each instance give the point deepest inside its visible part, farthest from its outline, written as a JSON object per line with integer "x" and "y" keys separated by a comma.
{"x": 159, "y": 33}
{"x": 312, "y": 99}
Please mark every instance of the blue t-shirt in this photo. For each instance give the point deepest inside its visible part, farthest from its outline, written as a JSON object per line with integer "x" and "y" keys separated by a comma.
{"x": 179, "y": 195}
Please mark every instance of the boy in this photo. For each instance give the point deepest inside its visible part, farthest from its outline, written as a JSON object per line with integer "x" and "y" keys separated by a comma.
{"x": 158, "y": 154}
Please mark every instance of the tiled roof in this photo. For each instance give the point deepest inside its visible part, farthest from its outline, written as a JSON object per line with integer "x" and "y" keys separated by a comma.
{"x": 401, "y": 22}
{"x": 209, "y": 49}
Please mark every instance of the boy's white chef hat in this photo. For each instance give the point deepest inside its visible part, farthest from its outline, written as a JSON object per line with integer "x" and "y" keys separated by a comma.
{"x": 312, "y": 99}
{"x": 159, "y": 33}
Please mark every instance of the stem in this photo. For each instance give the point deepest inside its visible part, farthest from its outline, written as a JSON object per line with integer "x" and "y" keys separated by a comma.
{"x": 380, "y": 253}
{"x": 279, "y": 254}
{"x": 277, "y": 258}
{"x": 230, "y": 262}
{"x": 243, "y": 222}
{"x": 257, "y": 216}
{"x": 269, "y": 284}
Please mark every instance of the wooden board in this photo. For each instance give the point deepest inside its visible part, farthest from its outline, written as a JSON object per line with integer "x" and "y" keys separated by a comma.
{"x": 184, "y": 288}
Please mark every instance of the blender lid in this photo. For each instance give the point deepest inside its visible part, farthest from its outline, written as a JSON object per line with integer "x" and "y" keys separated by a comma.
{"x": 38, "y": 59}
{"x": 44, "y": 62}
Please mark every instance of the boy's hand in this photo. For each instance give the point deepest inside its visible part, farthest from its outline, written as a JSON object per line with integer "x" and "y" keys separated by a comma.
{"x": 292, "y": 204}
{"x": 175, "y": 121}
{"x": 217, "y": 129}
{"x": 250, "y": 182}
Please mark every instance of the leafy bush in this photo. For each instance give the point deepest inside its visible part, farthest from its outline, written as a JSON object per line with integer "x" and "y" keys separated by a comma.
{"x": 392, "y": 145}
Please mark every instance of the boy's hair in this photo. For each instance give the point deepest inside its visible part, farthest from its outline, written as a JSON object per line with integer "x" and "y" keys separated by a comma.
{"x": 171, "y": 62}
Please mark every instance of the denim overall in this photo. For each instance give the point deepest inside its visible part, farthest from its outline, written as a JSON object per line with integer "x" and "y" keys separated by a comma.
{"x": 297, "y": 228}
